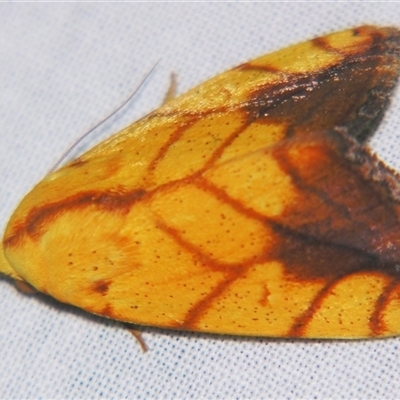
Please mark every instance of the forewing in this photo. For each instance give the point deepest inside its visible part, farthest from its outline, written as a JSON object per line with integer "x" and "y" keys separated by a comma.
{"x": 246, "y": 206}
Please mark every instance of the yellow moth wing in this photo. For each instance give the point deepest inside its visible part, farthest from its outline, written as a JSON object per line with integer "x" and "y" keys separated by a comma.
{"x": 240, "y": 207}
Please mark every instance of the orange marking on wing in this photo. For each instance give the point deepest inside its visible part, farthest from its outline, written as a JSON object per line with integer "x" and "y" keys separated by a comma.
{"x": 266, "y": 294}
{"x": 101, "y": 287}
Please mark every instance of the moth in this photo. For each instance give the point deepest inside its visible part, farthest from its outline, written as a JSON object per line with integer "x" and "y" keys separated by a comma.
{"x": 248, "y": 206}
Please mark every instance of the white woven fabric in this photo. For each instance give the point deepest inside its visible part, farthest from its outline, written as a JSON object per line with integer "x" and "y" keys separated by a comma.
{"x": 64, "y": 66}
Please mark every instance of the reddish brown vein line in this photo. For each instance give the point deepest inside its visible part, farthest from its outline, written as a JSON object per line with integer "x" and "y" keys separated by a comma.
{"x": 194, "y": 315}
{"x": 109, "y": 201}
{"x": 322, "y": 43}
{"x": 176, "y": 136}
{"x": 261, "y": 68}
{"x": 203, "y": 258}
{"x": 38, "y": 217}
{"x": 376, "y": 323}
{"x": 195, "y": 115}
{"x": 221, "y": 195}
{"x": 179, "y": 132}
{"x": 199, "y": 308}
{"x": 301, "y": 322}
{"x": 232, "y": 273}
{"x": 226, "y": 143}
{"x": 165, "y": 147}
{"x": 363, "y": 48}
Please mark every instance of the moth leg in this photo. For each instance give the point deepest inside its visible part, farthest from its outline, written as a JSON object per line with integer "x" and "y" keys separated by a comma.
{"x": 24, "y": 287}
{"x": 138, "y": 336}
{"x": 171, "y": 92}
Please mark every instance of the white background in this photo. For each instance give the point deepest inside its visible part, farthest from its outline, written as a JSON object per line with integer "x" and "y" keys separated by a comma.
{"x": 63, "y": 67}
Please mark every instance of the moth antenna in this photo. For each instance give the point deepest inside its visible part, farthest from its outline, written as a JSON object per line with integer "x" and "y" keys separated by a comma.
{"x": 123, "y": 104}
